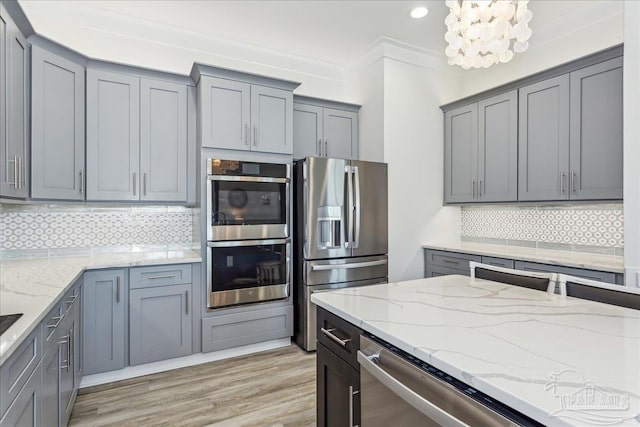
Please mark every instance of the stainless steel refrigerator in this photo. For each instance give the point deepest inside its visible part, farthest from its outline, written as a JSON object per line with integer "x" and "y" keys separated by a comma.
{"x": 340, "y": 237}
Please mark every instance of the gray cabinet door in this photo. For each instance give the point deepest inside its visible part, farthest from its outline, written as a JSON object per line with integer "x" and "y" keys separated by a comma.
{"x": 307, "y": 131}
{"x": 544, "y": 140}
{"x": 460, "y": 148}
{"x": 68, "y": 379}
{"x": 498, "y": 148}
{"x": 103, "y": 321}
{"x": 15, "y": 153}
{"x": 50, "y": 393}
{"x": 159, "y": 323}
{"x": 340, "y": 131}
{"x": 113, "y": 136}
{"x": 163, "y": 141}
{"x": 271, "y": 120}
{"x": 225, "y": 113}
{"x": 596, "y": 132}
{"x": 25, "y": 411}
{"x": 57, "y": 127}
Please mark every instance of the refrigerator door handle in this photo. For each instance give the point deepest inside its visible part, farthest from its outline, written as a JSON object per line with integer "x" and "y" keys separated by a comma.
{"x": 356, "y": 208}
{"x": 349, "y": 208}
{"x": 326, "y": 267}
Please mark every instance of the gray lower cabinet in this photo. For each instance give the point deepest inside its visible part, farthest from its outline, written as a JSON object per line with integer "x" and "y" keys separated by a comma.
{"x": 113, "y": 136}
{"x": 25, "y": 411}
{"x": 163, "y": 141}
{"x": 104, "y": 300}
{"x": 57, "y": 126}
{"x": 596, "y": 132}
{"x": 544, "y": 140}
{"x": 460, "y": 146}
{"x": 160, "y": 323}
{"x": 602, "y": 276}
{"x": 14, "y": 108}
{"x": 324, "y": 128}
{"x": 440, "y": 263}
{"x": 51, "y": 373}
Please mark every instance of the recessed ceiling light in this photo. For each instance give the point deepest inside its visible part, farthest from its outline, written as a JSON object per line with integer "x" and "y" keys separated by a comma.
{"x": 419, "y": 12}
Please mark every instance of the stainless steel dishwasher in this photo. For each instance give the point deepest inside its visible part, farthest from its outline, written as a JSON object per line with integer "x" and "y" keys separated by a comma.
{"x": 396, "y": 389}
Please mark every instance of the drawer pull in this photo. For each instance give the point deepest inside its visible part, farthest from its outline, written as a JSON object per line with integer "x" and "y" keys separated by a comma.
{"x": 166, "y": 276}
{"x": 451, "y": 262}
{"x": 58, "y": 319}
{"x": 328, "y": 334}
{"x": 72, "y": 299}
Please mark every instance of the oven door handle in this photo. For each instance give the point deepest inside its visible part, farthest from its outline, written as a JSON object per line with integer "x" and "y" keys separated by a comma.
{"x": 234, "y": 243}
{"x": 326, "y": 267}
{"x": 372, "y": 365}
{"x": 248, "y": 179}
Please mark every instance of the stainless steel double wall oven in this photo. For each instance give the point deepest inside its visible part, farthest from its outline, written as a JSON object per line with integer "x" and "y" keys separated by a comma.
{"x": 248, "y": 241}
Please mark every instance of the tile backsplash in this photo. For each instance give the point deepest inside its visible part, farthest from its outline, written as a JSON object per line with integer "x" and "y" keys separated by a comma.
{"x": 50, "y": 230}
{"x": 581, "y": 228}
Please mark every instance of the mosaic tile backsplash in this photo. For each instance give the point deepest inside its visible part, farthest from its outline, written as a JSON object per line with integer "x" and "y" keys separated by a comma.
{"x": 49, "y": 230}
{"x": 572, "y": 227}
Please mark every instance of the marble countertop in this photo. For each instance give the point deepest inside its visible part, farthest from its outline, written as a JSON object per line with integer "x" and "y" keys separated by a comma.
{"x": 544, "y": 355}
{"x": 32, "y": 286}
{"x": 611, "y": 263}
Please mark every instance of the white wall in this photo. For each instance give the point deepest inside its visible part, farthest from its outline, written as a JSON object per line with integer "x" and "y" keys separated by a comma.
{"x": 413, "y": 148}
{"x": 632, "y": 142}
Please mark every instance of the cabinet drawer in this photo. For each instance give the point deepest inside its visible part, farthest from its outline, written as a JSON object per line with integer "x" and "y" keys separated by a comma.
{"x": 249, "y": 327}
{"x": 450, "y": 259}
{"x": 15, "y": 372}
{"x": 436, "y": 271}
{"x": 339, "y": 336}
{"x": 498, "y": 262}
{"x": 143, "y": 277}
{"x": 51, "y": 325}
{"x": 602, "y": 276}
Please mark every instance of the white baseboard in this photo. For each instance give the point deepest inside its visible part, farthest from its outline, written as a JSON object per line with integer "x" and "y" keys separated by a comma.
{"x": 180, "y": 362}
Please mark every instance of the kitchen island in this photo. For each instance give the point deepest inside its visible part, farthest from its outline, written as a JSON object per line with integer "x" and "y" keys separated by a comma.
{"x": 559, "y": 360}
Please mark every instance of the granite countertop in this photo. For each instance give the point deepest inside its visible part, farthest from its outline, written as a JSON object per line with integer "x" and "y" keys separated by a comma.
{"x": 32, "y": 286}
{"x": 542, "y": 354}
{"x": 611, "y": 263}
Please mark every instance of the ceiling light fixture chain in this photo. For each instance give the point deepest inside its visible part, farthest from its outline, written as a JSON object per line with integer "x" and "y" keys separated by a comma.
{"x": 480, "y": 32}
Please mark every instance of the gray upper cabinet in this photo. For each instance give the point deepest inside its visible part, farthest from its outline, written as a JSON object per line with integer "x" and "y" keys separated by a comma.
{"x": 104, "y": 297}
{"x": 160, "y": 323}
{"x": 14, "y": 103}
{"x": 163, "y": 141}
{"x": 544, "y": 140}
{"x": 596, "y": 132}
{"x": 57, "y": 126}
{"x": 324, "y": 128}
{"x": 340, "y": 133}
{"x": 460, "y": 150}
{"x": 271, "y": 120}
{"x": 497, "y": 153}
{"x": 307, "y": 131}
{"x": 226, "y": 113}
{"x": 113, "y": 136}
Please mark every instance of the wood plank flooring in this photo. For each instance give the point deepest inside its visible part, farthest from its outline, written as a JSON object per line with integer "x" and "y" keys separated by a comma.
{"x": 276, "y": 388}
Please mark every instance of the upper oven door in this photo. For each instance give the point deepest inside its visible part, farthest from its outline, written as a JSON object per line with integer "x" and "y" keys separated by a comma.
{"x": 247, "y": 207}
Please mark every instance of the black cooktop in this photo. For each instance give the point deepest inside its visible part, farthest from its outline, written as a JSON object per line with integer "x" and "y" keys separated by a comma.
{"x": 6, "y": 320}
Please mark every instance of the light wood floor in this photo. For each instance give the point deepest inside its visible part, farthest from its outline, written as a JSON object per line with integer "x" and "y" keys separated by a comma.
{"x": 272, "y": 388}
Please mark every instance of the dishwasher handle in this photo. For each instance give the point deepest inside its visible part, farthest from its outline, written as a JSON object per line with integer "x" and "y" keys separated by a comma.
{"x": 372, "y": 365}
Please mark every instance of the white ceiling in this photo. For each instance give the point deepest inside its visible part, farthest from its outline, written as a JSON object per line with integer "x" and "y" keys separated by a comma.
{"x": 334, "y": 32}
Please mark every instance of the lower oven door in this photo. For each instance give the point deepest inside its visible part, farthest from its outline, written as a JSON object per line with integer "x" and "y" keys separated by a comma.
{"x": 248, "y": 271}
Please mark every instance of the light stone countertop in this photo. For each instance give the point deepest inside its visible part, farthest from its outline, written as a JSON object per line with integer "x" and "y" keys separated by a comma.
{"x": 528, "y": 349}
{"x": 32, "y": 286}
{"x": 589, "y": 261}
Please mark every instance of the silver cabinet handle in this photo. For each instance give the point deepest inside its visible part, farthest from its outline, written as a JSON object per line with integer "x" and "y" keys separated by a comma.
{"x": 58, "y": 319}
{"x": 328, "y": 334}
{"x": 19, "y": 173}
{"x": 480, "y": 189}
{"x": 326, "y": 267}
{"x": 255, "y": 135}
{"x": 473, "y": 188}
{"x": 573, "y": 181}
{"x": 134, "y": 183}
{"x": 165, "y": 276}
{"x": 65, "y": 340}
{"x": 15, "y": 172}
{"x": 71, "y": 300}
{"x": 326, "y": 151}
{"x": 144, "y": 184}
{"x": 319, "y": 148}
{"x": 186, "y": 302}
{"x": 81, "y": 181}
{"x": 70, "y": 346}
{"x": 371, "y": 364}
{"x": 562, "y": 176}
{"x": 246, "y": 134}
{"x": 352, "y": 393}
{"x": 118, "y": 289}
